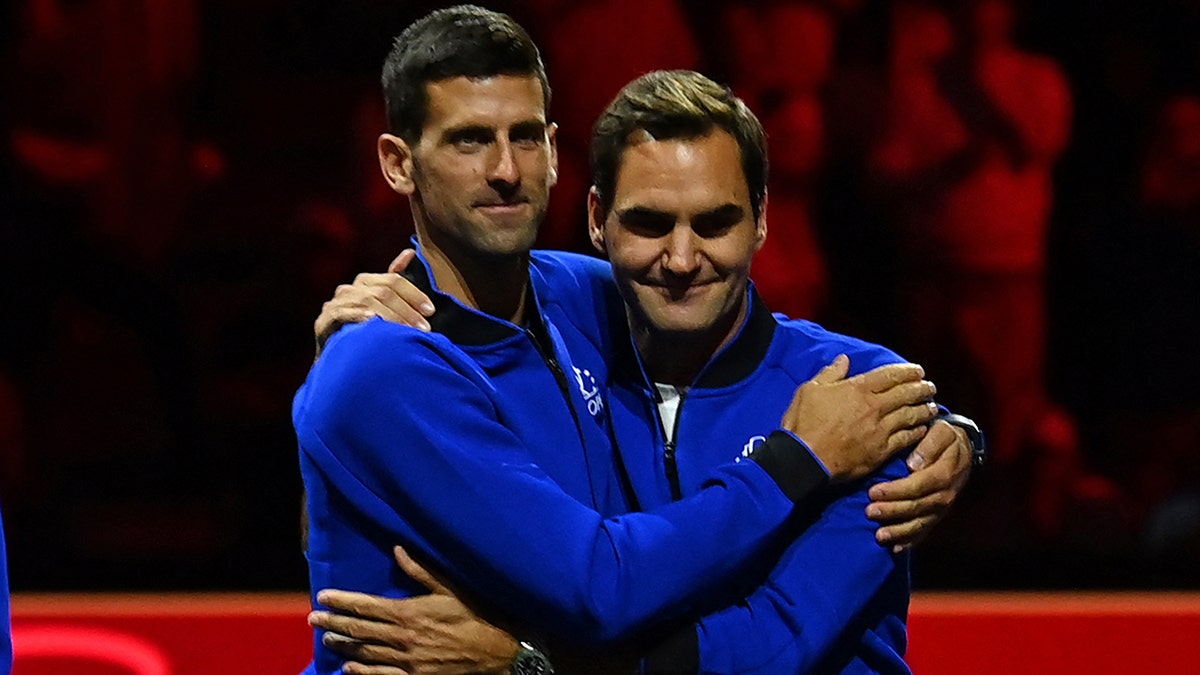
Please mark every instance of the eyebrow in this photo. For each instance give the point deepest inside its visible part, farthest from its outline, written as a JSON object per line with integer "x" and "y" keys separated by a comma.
{"x": 532, "y": 127}
{"x": 455, "y": 133}
{"x": 641, "y": 212}
{"x": 722, "y": 212}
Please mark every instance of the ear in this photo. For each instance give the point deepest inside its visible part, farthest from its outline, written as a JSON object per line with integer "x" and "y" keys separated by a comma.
{"x": 396, "y": 163}
{"x": 595, "y": 220}
{"x": 552, "y": 135}
{"x": 760, "y": 225}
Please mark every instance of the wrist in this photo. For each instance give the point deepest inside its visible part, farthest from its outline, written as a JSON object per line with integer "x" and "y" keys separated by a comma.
{"x": 530, "y": 659}
{"x": 974, "y": 436}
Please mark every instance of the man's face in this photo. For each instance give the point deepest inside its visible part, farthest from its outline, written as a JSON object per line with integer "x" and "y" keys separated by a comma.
{"x": 484, "y": 165}
{"x": 680, "y": 233}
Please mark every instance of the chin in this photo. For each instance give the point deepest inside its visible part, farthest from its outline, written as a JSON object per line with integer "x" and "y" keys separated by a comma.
{"x": 678, "y": 325}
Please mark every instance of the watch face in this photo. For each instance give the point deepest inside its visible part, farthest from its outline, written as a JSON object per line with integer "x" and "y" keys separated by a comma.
{"x": 530, "y": 661}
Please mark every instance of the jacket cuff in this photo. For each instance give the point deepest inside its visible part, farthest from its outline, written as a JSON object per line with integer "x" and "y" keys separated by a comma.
{"x": 678, "y": 654}
{"x": 794, "y": 467}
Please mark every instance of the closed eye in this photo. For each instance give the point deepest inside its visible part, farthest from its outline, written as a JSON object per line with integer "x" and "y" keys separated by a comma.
{"x": 718, "y": 221}
{"x": 646, "y": 222}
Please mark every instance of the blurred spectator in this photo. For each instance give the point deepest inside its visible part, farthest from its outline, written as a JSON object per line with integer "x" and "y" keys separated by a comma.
{"x": 100, "y": 173}
{"x": 103, "y": 84}
{"x": 1144, "y": 266}
{"x": 176, "y": 197}
{"x": 966, "y": 160}
{"x": 780, "y": 56}
{"x": 592, "y": 48}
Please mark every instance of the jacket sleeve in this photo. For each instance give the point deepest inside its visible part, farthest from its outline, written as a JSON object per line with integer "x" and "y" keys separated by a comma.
{"x": 434, "y": 469}
{"x": 829, "y": 587}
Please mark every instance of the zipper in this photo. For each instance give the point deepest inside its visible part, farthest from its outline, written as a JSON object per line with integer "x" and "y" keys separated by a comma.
{"x": 670, "y": 461}
{"x": 560, "y": 376}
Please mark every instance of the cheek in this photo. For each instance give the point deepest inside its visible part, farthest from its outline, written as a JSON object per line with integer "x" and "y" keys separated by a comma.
{"x": 633, "y": 256}
{"x": 735, "y": 256}
{"x": 538, "y": 164}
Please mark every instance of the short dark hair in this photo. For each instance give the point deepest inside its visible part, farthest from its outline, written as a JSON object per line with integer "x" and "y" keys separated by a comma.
{"x": 676, "y": 104}
{"x": 460, "y": 41}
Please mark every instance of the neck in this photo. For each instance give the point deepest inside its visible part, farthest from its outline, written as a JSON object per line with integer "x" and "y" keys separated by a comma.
{"x": 677, "y": 358}
{"x": 494, "y": 285}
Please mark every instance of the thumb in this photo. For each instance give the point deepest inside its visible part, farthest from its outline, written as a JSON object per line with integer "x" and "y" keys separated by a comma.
{"x": 835, "y": 371}
{"x": 400, "y": 262}
{"x": 414, "y": 569}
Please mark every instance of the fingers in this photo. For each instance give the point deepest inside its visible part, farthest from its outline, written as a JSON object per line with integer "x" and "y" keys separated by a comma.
{"x": 356, "y": 668}
{"x": 885, "y": 377}
{"x": 366, "y": 654}
{"x": 908, "y": 498}
{"x": 906, "y": 534}
{"x": 388, "y": 296}
{"x": 410, "y": 294}
{"x": 400, "y": 262}
{"x": 904, "y": 438}
{"x": 419, "y": 574}
{"x": 353, "y": 627}
{"x": 907, "y": 393}
{"x": 359, "y": 604}
{"x": 894, "y": 492}
{"x": 909, "y": 416}
{"x": 415, "y": 299}
{"x": 932, "y": 448}
{"x": 836, "y": 370}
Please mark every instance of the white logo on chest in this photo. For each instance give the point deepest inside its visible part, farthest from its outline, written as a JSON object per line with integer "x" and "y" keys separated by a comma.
{"x": 590, "y": 391}
{"x": 751, "y": 444}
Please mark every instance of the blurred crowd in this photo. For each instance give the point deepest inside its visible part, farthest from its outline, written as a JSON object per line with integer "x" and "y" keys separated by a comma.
{"x": 1007, "y": 192}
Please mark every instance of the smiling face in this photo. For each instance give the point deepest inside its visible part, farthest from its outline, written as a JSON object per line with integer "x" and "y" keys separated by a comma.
{"x": 680, "y": 235}
{"x": 480, "y": 174}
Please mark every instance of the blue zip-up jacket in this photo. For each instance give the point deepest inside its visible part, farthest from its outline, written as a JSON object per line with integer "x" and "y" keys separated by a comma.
{"x": 464, "y": 446}
{"x": 836, "y": 602}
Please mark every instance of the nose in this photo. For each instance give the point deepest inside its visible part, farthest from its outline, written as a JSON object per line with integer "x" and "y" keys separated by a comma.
{"x": 503, "y": 172}
{"x": 681, "y": 257}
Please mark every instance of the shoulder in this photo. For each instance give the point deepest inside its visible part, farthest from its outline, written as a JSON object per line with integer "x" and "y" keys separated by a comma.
{"x": 810, "y": 346}
{"x": 559, "y": 268}
{"x": 377, "y": 339}
{"x": 580, "y": 288}
{"x": 364, "y": 368}
{"x": 375, "y": 351}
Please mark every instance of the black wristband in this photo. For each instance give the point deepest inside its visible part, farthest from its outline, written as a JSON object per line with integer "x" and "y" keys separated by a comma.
{"x": 793, "y": 466}
{"x": 974, "y": 434}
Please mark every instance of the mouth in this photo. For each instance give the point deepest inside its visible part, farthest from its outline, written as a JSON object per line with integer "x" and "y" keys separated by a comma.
{"x": 509, "y": 206}
{"x": 678, "y": 292}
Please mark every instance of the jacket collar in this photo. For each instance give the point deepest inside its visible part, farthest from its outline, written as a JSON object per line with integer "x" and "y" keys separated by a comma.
{"x": 463, "y": 325}
{"x": 735, "y": 362}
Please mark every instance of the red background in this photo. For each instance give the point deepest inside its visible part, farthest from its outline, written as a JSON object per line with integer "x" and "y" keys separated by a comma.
{"x": 979, "y": 633}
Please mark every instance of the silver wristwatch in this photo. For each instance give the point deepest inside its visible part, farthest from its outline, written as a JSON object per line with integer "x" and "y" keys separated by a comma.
{"x": 530, "y": 661}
